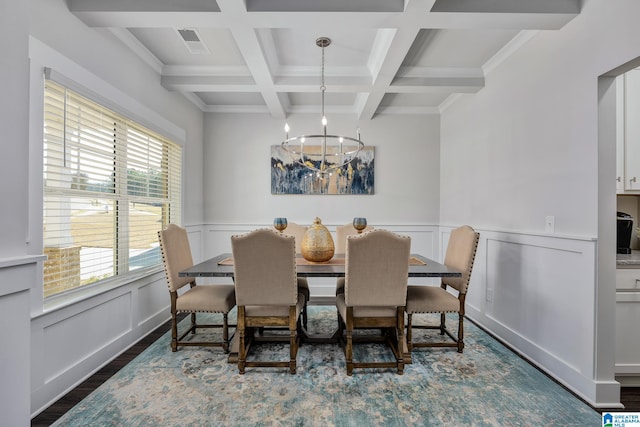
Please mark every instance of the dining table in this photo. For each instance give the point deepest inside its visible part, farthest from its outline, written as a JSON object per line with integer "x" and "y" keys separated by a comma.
{"x": 222, "y": 266}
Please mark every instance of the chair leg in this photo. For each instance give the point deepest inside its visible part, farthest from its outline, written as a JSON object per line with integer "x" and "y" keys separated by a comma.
{"x": 460, "y": 332}
{"x": 225, "y": 333}
{"x": 348, "y": 352}
{"x": 400, "y": 339}
{"x": 293, "y": 340}
{"x": 242, "y": 352}
{"x": 293, "y": 350}
{"x": 174, "y": 332}
{"x": 443, "y": 324}
{"x": 409, "y": 333}
{"x": 193, "y": 323}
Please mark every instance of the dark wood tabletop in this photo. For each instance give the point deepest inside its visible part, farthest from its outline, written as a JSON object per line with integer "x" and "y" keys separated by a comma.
{"x": 425, "y": 267}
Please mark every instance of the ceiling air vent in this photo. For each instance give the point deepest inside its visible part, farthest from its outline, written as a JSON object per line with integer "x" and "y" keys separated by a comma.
{"x": 191, "y": 38}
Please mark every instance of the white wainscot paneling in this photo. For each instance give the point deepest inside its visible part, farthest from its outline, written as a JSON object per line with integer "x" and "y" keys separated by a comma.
{"x": 72, "y": 342}
{"x": 153, "y": 301}
{"x": 16, "y": 277}
{"x": 537, "y": 294}
{"x": 75, "y": 338}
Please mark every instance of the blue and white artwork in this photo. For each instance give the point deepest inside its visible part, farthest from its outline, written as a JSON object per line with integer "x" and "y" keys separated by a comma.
{"x": 290, "y": 177}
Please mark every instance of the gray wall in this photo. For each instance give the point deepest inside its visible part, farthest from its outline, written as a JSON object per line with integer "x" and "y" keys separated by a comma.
{"x": 17, "y": 270}
{"x": 238, "y": 181}
{"x": 525, "y": 147}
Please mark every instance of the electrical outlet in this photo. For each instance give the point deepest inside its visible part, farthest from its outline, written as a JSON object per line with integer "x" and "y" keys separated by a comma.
{"x": 489, "y": 294}
{"x": 550, "y": 224}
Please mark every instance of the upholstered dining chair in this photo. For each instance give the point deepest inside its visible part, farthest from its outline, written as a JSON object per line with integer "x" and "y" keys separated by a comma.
{"x": 176, "y": 256}
{"x": 297, "y": 231}
{"x": 266, "y": 292}
{"x": 461, "y": 252}
{"x": 342, "y": 231}
{"x": 376, "y": 275}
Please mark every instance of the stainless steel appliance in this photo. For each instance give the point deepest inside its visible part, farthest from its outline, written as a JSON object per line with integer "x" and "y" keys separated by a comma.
{"x": 625, "y": 228}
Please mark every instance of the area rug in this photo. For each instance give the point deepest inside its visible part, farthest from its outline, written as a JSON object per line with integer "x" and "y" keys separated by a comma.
{"x": 487, "y": 385}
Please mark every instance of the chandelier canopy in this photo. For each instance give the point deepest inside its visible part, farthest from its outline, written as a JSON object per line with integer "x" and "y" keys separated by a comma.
{"x": 323, "y": 152}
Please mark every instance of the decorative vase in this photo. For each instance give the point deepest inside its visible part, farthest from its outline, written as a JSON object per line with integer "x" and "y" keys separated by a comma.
{"x": 317, "y": 243}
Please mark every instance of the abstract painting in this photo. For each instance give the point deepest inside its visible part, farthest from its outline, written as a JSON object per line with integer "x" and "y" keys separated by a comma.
{"x": 290, "y": 177}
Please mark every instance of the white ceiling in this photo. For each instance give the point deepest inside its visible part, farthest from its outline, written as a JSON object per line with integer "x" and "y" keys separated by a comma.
{"x": 386, "y": 56}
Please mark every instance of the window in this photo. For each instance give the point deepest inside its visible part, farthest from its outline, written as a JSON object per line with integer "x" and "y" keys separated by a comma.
{"x": 109, "y": 185}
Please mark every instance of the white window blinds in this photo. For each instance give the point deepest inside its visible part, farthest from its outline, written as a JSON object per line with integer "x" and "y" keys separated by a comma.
{"x": 109, "y": 185}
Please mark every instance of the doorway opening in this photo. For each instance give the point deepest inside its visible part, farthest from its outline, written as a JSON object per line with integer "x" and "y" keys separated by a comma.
{"x": 610, "y": 158}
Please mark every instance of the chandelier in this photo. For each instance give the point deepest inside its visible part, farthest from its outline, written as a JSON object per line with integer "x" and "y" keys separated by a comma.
{"x": 324, "y": 152}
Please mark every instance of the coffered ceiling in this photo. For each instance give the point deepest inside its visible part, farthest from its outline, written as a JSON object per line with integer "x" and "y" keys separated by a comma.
{"x": 386, "y": 56}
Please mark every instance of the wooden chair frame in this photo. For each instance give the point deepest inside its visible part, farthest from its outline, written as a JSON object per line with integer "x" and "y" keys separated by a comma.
{"x": 458, "y": 339}
{"x": 392, "y": 333}
{"x": 247, "y": 327}
{"x": 177, "y": 340}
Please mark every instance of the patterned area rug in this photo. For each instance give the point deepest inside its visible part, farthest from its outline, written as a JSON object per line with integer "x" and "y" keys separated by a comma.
{"x": 487, "y": 385}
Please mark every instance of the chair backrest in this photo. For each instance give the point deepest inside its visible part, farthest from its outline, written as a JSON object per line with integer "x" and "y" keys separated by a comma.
{"x": 377, "y": 269}
{"x": 297, "y": 231}
{"x": 461, "y": 252}
{"x": 342, "y": 231}
{"x": 264, "y": 263}
{"x": 176, "y": 255}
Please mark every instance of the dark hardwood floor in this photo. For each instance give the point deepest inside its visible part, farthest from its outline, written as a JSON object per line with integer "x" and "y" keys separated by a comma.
{"x": 629, "y": 396}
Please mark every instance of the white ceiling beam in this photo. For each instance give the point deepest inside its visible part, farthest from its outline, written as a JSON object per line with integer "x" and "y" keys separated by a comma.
{"x": 395, "y": 53}
{"x": 401, "y": 85}
{"x": 320, "y": 21}
{"x": 326, "y": 5}
{"x": 507, "y": 6}
{"x": 138, "y": 48}
{"x": 255, "y": 58}
{"x": 142, "y": 5}
{"x": 209, "y": 83}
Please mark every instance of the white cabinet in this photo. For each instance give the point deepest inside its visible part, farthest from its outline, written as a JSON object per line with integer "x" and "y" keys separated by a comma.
{"x": 627, "y": 321}
{"x": 632, "y": 130}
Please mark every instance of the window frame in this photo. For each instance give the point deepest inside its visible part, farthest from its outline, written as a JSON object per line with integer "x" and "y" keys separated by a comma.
{"x": 172, "y": 212}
